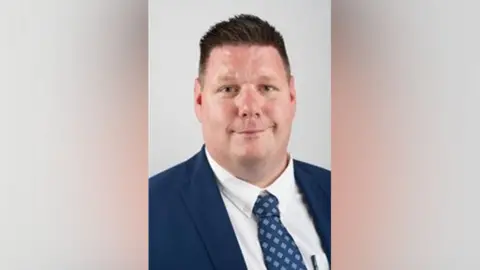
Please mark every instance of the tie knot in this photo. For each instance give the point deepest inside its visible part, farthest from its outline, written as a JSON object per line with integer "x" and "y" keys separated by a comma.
{"x": 266, "y": 206}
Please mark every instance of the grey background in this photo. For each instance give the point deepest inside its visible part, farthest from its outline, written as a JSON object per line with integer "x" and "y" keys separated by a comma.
{"x": 174, "y": 32}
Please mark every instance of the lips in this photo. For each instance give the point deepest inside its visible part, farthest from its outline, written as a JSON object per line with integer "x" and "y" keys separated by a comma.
{"x": 251, "y": 131}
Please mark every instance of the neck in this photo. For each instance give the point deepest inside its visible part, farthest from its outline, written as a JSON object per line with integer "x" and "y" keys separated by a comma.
{"x": 259, "y": 173}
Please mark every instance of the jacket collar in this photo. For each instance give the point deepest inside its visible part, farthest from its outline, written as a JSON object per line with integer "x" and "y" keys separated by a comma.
{"x": 204, "y": 202}
{"x": 318, "y": 202}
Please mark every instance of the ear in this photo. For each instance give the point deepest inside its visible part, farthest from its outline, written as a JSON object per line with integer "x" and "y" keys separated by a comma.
{"x": 197, "y": 93}
{"x": 293, "y": 93}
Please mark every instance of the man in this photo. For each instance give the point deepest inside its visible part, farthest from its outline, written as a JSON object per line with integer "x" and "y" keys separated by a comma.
{"x": 241, "y": 202}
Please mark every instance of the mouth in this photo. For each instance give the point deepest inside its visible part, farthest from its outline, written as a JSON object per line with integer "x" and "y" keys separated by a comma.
{"x": 251, "y": 131}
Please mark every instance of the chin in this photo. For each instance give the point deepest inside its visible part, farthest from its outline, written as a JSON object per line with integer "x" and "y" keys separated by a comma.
{"x": 251, "y": 153}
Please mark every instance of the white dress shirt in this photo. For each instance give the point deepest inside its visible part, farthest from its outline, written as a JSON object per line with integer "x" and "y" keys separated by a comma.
{"x": 239, "y": 198}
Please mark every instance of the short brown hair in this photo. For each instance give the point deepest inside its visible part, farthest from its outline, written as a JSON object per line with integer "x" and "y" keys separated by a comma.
{"x": 243, "y": 29}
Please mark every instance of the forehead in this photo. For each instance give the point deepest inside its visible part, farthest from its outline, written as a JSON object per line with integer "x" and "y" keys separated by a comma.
{"x": 244, "y": 62}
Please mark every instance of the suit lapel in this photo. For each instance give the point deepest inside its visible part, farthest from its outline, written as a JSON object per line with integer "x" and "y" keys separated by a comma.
{"x": 318, "y": 203}
{"x": 204, "y": 202}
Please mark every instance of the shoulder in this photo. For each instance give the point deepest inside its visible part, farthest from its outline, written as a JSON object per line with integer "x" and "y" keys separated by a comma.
{"x": 320, "y": 175}
{"x": 312, "y": 169}
{"x": 171, "y": 179}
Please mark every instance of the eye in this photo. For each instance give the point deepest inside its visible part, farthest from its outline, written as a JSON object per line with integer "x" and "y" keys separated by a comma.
{"x": 267, "y": 88}
{"x": 229, "y": 89}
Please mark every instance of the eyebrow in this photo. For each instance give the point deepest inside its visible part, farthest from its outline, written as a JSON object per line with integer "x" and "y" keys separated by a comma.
{"x": 226, "y": 78}
{"x": 267, "y": 78}
{"x": 230, "y": 77}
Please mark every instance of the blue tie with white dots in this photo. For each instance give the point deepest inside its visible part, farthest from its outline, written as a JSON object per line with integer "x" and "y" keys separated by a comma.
{"x": 279, "y": 249}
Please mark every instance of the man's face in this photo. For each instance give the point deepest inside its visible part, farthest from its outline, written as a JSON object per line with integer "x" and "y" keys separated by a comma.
{"x": 246, "y": 105}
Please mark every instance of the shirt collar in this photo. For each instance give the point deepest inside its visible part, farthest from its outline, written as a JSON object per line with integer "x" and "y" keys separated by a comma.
{"x": 244, "y": 195}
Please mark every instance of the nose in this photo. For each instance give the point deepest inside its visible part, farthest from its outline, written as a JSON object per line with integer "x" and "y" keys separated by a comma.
{"x": 249, "y": 103}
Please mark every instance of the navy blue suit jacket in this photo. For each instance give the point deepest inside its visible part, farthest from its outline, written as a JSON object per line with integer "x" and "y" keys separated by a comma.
{"x": 189, "y": 227}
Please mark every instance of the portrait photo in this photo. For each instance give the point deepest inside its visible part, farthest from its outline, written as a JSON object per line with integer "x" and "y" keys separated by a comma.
{"x": 239, "y": 135}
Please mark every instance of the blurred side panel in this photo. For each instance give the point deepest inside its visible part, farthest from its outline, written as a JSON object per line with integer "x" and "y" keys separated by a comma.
{"x": 73, "y": 140}
{"x": 405, "y": 134}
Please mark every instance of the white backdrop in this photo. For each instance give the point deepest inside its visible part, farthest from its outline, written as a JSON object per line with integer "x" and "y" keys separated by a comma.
{"x": 175, "y": 29}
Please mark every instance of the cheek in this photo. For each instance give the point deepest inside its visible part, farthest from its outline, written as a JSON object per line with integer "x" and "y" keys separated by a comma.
{"x": 228, "y": 108}
{"x": 220, "y": 113}
{"x": 278, "y": 111}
